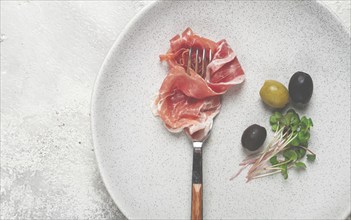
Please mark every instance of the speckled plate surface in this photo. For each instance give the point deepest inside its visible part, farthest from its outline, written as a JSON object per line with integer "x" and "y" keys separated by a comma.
{"x": 147, "y": 170}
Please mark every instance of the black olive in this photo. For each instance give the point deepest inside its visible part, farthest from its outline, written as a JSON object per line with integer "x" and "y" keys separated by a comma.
{"x": 253, "y": 137}
{"x": 300, "y": 87}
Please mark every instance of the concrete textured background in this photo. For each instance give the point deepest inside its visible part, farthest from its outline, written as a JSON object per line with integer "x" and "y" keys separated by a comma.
{"x": 51, "y": 53}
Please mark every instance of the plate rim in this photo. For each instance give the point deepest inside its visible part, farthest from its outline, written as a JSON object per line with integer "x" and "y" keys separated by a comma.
{"x": 94, "y": 99}
{"x": 102, "y": 69}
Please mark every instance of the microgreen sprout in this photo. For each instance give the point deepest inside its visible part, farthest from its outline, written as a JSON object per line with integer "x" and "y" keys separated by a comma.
{"x": 288, "y": 146}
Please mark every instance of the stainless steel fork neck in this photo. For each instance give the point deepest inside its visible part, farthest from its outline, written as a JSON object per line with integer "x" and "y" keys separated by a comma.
{"x": 197, "y": 162}
{"x": 197, "y": 144}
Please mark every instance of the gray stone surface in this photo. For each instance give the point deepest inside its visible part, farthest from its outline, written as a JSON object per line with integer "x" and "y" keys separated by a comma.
{"x": 50, "y": 55}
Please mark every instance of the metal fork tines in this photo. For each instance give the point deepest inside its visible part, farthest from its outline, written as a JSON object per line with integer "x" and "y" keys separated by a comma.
{"x": 203, "y": 61}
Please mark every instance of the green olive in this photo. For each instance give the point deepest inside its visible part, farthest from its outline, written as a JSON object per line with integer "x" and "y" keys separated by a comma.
{"x": 274, "y": 94}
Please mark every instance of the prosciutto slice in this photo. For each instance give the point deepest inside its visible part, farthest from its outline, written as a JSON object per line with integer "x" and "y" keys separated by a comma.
{"x": 191, "y": 100}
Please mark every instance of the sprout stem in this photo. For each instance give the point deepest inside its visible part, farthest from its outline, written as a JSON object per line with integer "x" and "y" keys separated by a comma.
{"x": 267, "y": 174}
{"x": 308, "y": 150}
{"x": 285, "y": 162}
{"x": 272, "y": 168}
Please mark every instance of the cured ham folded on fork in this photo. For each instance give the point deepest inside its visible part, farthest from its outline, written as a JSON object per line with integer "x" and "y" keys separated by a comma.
{"x": 189, "y": 99}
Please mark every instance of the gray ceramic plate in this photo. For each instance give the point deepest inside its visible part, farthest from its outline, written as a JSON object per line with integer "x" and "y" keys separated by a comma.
{"x": 147, "y": 170}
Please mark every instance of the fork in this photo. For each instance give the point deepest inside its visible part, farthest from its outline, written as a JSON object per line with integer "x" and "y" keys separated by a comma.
{"x": 197, "y": 138}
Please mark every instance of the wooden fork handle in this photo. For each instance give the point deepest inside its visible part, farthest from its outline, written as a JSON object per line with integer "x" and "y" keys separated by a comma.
{"x": 196, "y": 202}
{"x": 196, "y": 192}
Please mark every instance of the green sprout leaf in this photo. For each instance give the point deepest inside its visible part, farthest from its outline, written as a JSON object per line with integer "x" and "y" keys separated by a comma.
{"x": 292, "y": 114}
{"x": 303, "y": 137}
{"x": 285, "y": 121}
{"x": 295, "y": 142}
{"x": 274, "y": 160}
{"x": 306, "y": 124}
{"x": 290, "y": 155}
{"x": 311, "y": 157}
{"x": 284, "y": 170}
{"x": 300, "y": 165}
{"x": 274, "y": 119}
{"x": 275, "y": 127}
{"x": 300, "y": 153}
{"x": 295, "y": 125}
